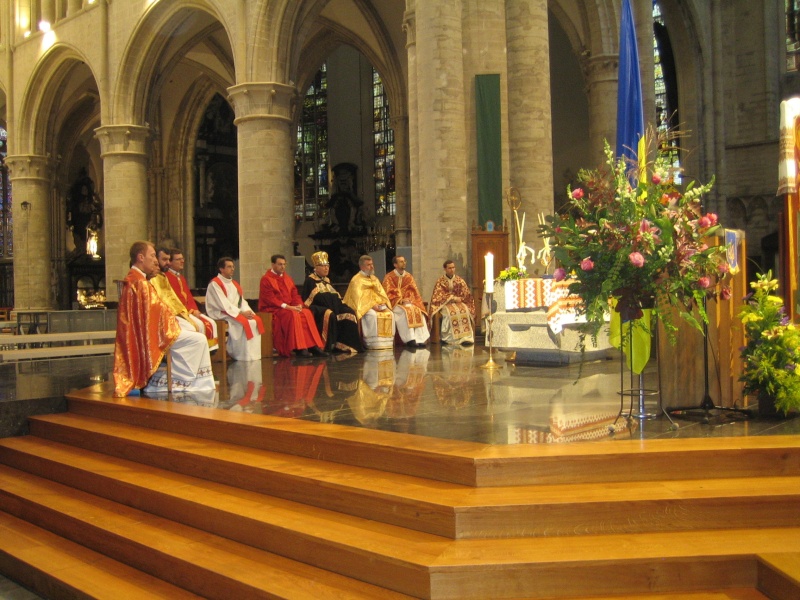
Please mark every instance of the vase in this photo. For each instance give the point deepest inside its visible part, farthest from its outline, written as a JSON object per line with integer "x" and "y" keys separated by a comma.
{"x": 766, "y": 406}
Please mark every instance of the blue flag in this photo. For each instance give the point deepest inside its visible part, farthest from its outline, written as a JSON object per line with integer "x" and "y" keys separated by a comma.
{"x": 630, "y": 111}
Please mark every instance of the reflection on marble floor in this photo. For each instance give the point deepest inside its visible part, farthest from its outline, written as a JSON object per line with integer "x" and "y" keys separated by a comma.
{"x": 438, "y": 392}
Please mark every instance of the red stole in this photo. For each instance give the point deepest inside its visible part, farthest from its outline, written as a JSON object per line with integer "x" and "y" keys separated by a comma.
{"x": 240, "y": 318}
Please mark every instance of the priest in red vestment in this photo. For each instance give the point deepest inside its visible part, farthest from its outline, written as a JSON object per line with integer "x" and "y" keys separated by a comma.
{"x": 293, "y": 327}
{"x": 147, "y": 328}
{"x": 407, "y": 305}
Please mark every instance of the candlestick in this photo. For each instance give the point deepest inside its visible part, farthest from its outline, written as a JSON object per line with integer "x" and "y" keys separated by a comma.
{"x": 489, "y": 269}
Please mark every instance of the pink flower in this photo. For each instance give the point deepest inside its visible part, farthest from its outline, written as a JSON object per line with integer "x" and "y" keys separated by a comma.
{"x": 656, "y": 178}
{"x": 558, "y": 229}
{"x": 577, "y": 193}
{"x": 725, "y": 293}
{"x": 723, "y": 267}
{"x": 559, "y": 274}
{"x": 587, "y": 264}
{"x": 637, "y": 260}
{"x": 703, "y": 222}
{"x": 713, "y": 218}
{"x": 704, "y": 282}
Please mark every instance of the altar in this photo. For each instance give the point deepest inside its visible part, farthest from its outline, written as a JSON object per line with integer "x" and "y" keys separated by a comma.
{"x": 536, "y": 318}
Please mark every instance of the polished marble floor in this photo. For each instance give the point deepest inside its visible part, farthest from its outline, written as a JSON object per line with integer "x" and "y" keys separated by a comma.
{"x": 440, "y": 392}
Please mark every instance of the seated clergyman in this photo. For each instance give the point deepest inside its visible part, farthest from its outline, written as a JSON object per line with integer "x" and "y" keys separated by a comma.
{"x": 451, "y": 297}
{"x": 368, "y": 299}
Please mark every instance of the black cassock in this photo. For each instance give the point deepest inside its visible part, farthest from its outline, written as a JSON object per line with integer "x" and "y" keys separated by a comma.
{"x": 336, "y": 322}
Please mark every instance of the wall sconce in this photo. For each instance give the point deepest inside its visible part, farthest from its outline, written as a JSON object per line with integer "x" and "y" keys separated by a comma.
{"x": 26, "y": 206}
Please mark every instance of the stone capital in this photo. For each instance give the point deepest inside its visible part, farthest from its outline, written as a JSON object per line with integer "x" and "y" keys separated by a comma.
{"x": 269, "y": 100}
{"x": 601, "y": 68}
{"x": 410, "y": 27}
{"x": 29, "y": 167}
{"x": 122, "y": 140}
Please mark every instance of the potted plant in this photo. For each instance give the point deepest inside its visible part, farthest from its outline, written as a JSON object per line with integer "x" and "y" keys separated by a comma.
{"x": 631, "y": 235}
{"x": 772, "y": 353}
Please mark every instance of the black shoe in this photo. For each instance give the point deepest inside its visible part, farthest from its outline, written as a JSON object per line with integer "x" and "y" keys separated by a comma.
{"x": 304, "y": 353}
{"x": 411, "y": 344}
{"x": 317, "y": 351}
{"x": 420, "y": 344}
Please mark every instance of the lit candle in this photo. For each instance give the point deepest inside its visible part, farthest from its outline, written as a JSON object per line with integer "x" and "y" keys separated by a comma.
{"x": 489, "y": 270}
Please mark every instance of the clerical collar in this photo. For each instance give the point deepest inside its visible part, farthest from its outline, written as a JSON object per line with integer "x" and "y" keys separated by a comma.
{"x": 138, "y": 269}
{"x": 365, "y": 274}
{"x": 225, "y": 279}
{"x": 174, "y": 272}
{"x": 399, "y": 274}
{"x": 449, "y": 276}
{"x": 276, "y": 274}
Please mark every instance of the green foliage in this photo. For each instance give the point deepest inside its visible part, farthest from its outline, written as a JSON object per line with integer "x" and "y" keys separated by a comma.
{"x": 634, "y": 235}
{"x": 771, "y": 356}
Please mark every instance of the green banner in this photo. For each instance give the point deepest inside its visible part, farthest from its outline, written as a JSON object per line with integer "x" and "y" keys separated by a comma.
{"x": 490, "y": 172}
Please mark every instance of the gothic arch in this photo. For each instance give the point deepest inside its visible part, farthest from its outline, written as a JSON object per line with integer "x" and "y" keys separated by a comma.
{"x": 37, "y": 120}
{"x": 280, "y": 33}
{"x": 331, "y": 36}
{"x": 139, "y": 79}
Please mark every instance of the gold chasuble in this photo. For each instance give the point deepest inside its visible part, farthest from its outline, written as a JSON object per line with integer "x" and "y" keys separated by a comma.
{"x": 146, "y": 327}
{"x": 170, "y": 298}
{"x": 366, "y": 292}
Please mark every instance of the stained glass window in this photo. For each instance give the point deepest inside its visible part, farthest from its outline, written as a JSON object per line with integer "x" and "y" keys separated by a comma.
{"x": 792, "y": 35}
{"x": 311, "y": 156}
{"x": 666, "y": 84}
{"x": 384, "y": 149}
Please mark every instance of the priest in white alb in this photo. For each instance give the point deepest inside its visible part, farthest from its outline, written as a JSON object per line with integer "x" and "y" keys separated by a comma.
{"x": 225, "y": 300}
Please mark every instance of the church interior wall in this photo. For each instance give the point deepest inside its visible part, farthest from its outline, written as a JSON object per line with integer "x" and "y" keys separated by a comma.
{"x": 167, "y": 76}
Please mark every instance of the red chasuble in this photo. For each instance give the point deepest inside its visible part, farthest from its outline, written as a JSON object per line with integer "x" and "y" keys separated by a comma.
{"x": 291, "y": 330}
{"x": 146, "y": 328}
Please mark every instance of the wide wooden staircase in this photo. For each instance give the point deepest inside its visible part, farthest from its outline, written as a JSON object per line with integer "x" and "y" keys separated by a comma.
{"x": 137, "y": 498}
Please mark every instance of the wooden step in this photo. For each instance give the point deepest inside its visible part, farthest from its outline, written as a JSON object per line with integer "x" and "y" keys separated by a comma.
{"x": 380, "y": 554}
{"x": 200, "y": 562}
{"x": 465, "y": 463}
{"x": 354, "y": 547}
{"x": 463, "y": 569}
{"x": 779, "y": 575}
{"x": 439, "y": 508}
{"x": 54, "y": 567}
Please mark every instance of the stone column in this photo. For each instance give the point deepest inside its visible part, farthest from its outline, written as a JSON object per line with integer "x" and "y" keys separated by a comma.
{"x": 530, "y": 132}
{"x": 441, "y": 116}
{"x": 123, "y": 149}
{"x": 30, "y": 177}
{"x": 643, "y": 20}
{"x": 601, "y": 82}
{"x": 402, "y": 223}
{"x": 266, "y": 186}
{"x": 415, "y": 219}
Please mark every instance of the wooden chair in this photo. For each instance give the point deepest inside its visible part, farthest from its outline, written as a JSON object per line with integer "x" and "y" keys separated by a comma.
{"x": 267, "y": 349}
{"x": 436, "y": 328}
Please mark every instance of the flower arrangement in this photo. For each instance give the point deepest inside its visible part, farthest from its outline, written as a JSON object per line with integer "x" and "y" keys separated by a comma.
{"x": 512, "y": 274}
{"x": 633, "y": 236}
{"x": 772, "y": 354}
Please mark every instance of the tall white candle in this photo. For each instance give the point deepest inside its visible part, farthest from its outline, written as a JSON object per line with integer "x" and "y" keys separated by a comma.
{"x": 489, "y": 270}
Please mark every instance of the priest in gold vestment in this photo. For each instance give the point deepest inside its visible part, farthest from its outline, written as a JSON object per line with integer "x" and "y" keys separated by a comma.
{"x": 366, "y": 296}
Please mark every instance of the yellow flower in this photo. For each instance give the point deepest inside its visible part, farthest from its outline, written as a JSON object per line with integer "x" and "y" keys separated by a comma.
{"x": 750, "y": 317}
{"x": 767, "y": 285}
